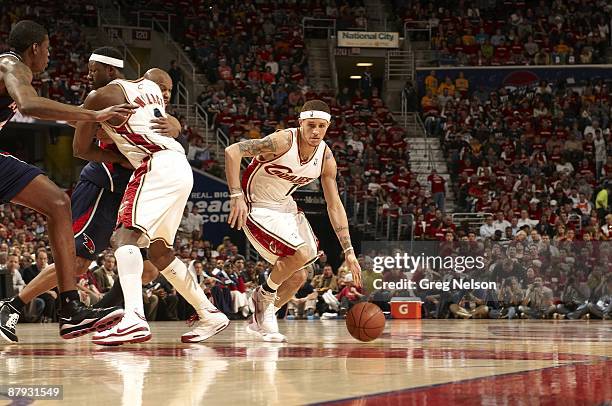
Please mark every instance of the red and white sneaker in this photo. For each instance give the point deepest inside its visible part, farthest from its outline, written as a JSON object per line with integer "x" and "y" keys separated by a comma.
{"x": 133, "y": 328}
{"x": 214, "y": 323}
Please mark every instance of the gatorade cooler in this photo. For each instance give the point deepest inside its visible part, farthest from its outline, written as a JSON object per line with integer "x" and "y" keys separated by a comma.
{"x": 406, "y": 307}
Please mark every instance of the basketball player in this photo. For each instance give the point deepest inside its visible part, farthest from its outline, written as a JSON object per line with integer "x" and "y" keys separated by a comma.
{"x": 26, "y": 185}
{"x": 263, "y": 206}
{"x": 96, "y": 197}
{"x": 151, "y": 208}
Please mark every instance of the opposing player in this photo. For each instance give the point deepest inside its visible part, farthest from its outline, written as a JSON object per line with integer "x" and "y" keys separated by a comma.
{"x": 263, "y": 206}
{"x": 26, "y": 185}
{"x": 151, "y": 208}
{"x": 96, "y": 197}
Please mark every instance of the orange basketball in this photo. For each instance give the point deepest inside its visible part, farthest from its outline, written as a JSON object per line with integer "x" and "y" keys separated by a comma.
{"x": 365, "y": 321}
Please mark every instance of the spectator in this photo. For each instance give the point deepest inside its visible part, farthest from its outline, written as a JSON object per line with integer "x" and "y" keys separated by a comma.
{"x": 106, "y": 275}
{"x": 303, "y": 303}
{"x": 349, "y": 295}
{"x": 176, "y": 75}
{"x": 167, "y": 299}
{"x": 487, "y": 230}
{"x": 438, "y": 189}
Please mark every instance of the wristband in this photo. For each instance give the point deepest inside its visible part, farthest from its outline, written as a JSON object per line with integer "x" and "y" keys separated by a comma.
{"x": 348, "y": 249}
{"x": 235, "y": 195}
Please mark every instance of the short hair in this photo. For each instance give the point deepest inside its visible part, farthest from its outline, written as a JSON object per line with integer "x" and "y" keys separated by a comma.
{"x": 109, "y": 51}
{"x": 26, "y": 33}
{"x": 318, "y": 105}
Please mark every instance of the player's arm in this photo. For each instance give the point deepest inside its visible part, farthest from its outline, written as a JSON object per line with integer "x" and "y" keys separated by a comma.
{"x": 83, "y": 145}
{"x": 337, "y": 214}
{"x": 18, "y": 81}
{"x": 274, "y": 144}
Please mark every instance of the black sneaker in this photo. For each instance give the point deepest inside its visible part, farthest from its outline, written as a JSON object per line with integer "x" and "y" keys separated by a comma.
{"x": 9, "y": 316}
{"x": 76, "y": 320}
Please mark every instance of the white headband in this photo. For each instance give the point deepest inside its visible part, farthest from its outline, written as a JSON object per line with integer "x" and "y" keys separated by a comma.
{"x": 315, "y": 114}
{"x": 108, "y": 60}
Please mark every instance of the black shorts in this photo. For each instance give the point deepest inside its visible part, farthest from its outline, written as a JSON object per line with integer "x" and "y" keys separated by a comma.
{"x": 15, "y": 175}
{"x": 94, "y": 216}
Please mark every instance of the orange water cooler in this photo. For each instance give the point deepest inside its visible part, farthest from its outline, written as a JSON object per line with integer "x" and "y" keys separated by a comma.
{"x": 406, "y": 307}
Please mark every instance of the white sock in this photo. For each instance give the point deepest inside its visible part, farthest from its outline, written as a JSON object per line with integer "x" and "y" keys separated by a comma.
{"x": 129, "y": 264}
{"x": 177, "y": 274}
{"x": 271, "y": 283}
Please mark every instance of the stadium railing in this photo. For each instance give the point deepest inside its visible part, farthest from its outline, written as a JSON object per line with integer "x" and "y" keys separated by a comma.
{"x": 473, "y": 220}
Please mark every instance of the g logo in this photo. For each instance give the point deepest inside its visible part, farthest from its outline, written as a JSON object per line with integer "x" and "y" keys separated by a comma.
{"x": 403, "y": 309}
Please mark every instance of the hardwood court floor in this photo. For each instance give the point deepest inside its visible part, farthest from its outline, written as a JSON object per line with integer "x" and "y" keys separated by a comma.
{"x": 446, "y": 362}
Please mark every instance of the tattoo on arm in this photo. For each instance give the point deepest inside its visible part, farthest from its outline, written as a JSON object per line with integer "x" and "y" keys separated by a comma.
{"x": 341, "y": 228}
{"x": 345, "y": 241}
{"x": 256, "y": 147}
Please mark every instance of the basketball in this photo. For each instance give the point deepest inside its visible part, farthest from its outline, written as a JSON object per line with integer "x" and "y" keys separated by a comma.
{"x": 365, "y": 321}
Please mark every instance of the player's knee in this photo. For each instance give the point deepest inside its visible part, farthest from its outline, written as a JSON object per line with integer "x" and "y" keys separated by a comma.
{"x": 58, "y": 205}
{"x": 82, "y": 265}
{"x": 123, "y": 236}
{"x": 160, "y": 255}
{"x": 304, "y": 254}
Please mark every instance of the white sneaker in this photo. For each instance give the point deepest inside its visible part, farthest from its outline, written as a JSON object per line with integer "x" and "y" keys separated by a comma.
{"x": 329, "y": 316}
{"x": 265, "y": 312}
{"x": 133, "y": 328}
{"x": 253, "y": 329}
{"x": 214, "y": 323}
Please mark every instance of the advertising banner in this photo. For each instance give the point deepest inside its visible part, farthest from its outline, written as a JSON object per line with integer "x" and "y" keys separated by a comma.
{"x": 210, "y": 195}
{"x": 366, "y": 39}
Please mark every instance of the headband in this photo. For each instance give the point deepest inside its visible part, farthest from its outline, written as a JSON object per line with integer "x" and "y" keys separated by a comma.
{"x": 315, "y": 114}
{"x": 107, "y": 60}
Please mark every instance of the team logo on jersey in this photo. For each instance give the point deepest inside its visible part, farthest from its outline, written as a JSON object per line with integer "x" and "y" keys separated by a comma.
{"x": 272, "y": 247}
{"x": 89, "y": 244}
{"x": 285, "y": 173}
{"x": 316, "y": 161}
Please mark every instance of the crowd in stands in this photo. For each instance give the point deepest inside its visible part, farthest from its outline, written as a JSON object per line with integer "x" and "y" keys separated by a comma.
{"x": 516, "y": 273}
{"x": 65, "y": 79}
{"x": 511, "y": 32}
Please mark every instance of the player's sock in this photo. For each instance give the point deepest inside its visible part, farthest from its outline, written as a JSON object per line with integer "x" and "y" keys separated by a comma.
{"x": 17, "y": 303}
{"x": 68, "y": 296}
{"x": 177, "y": 274}
{"x": 112, "y": 298}
{"x": 130, "y": 266}
{"x": 270, "y": 286}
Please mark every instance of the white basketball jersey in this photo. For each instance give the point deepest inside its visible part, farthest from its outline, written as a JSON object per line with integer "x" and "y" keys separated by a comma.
{"x": 271, "y": 183}
{"x": 134, "y": 138}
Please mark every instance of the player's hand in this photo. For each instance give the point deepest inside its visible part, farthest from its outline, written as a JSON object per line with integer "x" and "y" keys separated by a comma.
{"x": 120, "y": 112}
{"x": 354, "y": 267}
{"x": 163, "y": 126}
{"x": 238, "y": 213}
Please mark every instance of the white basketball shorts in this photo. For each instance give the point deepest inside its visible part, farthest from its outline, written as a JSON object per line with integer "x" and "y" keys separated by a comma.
{"x": 156, "y": 196}
{"x": 276, "y": 234}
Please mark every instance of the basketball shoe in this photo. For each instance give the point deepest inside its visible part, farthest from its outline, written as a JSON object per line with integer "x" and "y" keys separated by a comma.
{"x": 76, "y": 320}
{"x": 133, "y": 328}
{"x": 264, "y": 320}
{"x": 9, "y": 316}
{"x": 214, "y": 323}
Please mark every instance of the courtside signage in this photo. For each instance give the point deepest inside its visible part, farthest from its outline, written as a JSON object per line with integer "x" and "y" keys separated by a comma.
{"x": 366, "y": 39}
